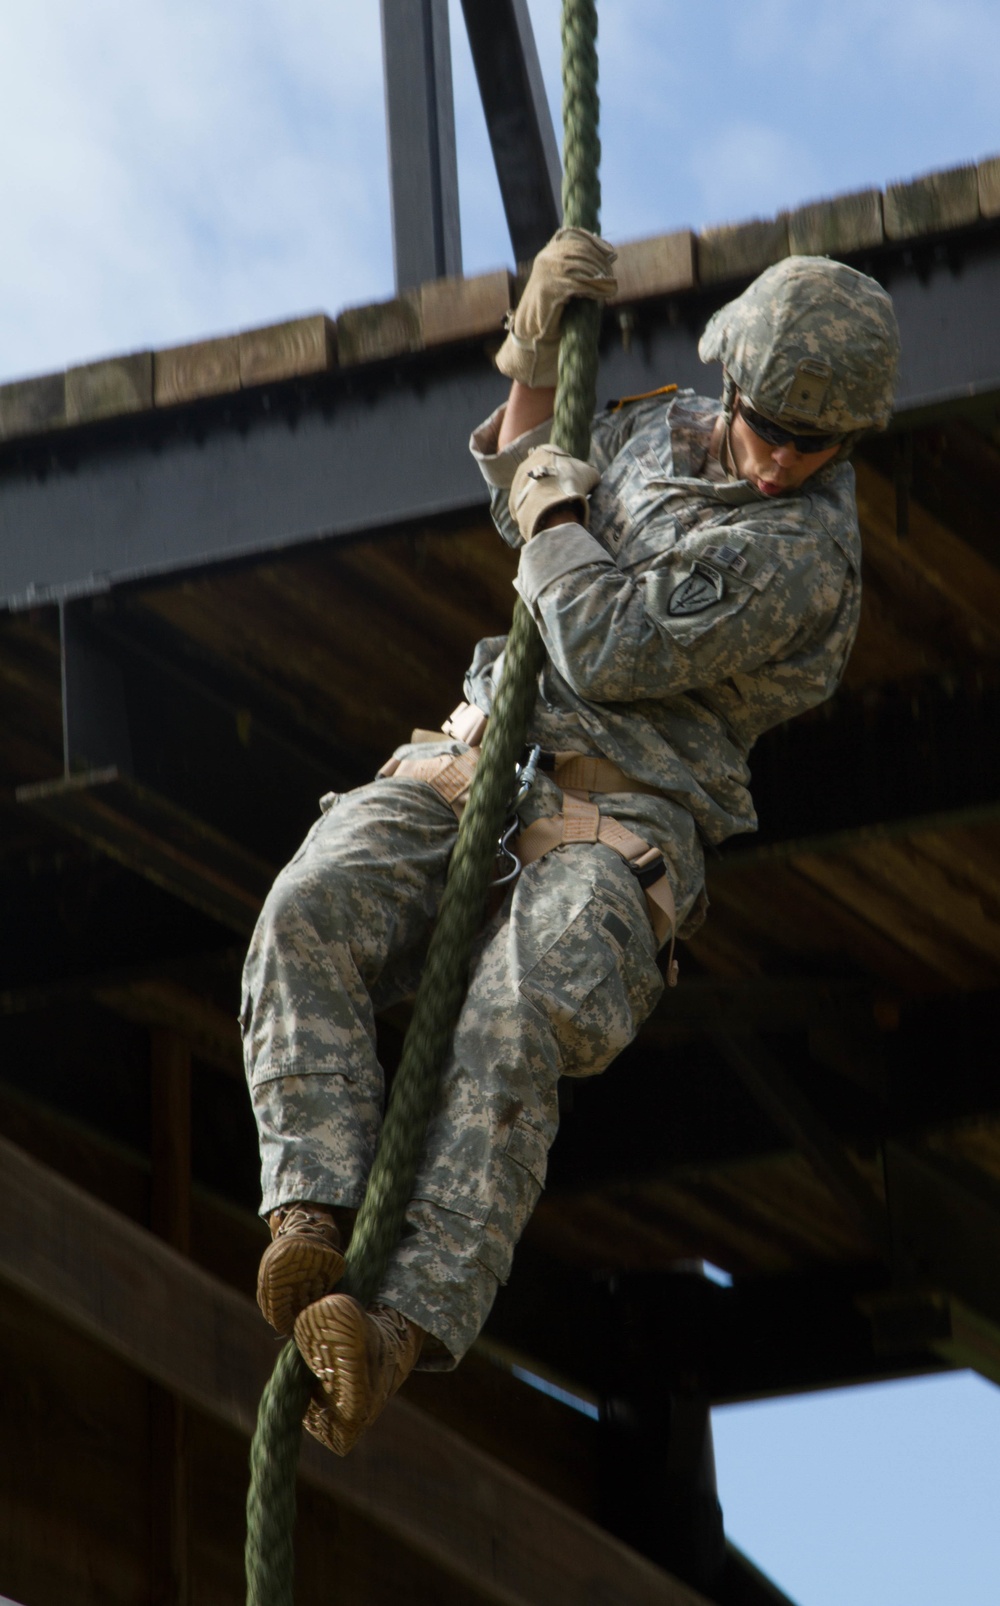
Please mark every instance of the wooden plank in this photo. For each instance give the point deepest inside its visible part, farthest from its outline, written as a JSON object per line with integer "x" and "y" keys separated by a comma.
{"x": 792, "y": 1113}
{"x": 932, "y": 204}
{"x": 969, "y": 856}
{"x": 508, "y": 1540}
{"x": 157, "y": 839}
{"x": 815, "y": 920}
{"x": 32, "y": 406}
{"x": 283, "y": 350}
{"x": 659, "y": 266}
{"x": 950, "y": 895}
{"x": 74, "y": 1495}
{"x": 945, "y": 1224}
{"x": 461, "y": 309}
{"x": 989, "y": 187}
{"x": 836, "y": 227}
{"x": 929, "y": 1319}
{"x": 931, "y": 553}
{"x": 912, "y": 928}
{"x": 741, "y": 250}
{"x": 203, "y": 368}
{"x": 104, "y": 389}
{"x": 381, "y": 329}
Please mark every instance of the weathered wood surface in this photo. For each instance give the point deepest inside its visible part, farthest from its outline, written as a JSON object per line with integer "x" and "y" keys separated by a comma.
{"x": 284, "y": 350}
{"x": 930, "y": 555}
{"x": 837, "y": 227}
{"x": 203, "y": 368}
{"x": 741, "y": 250}
{"x": 661, "y": 265}
{"x": 989, "y": 187}
{"x": 378, "y": 330}
{"x": 932, "y": 204}
{"x": 105, "y": 389}
{"x": 508, "y": 1541}
{"x": 460, "y": 309}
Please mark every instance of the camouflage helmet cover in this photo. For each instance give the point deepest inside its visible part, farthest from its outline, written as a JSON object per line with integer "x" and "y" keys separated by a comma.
{"x": 812, "y": 345}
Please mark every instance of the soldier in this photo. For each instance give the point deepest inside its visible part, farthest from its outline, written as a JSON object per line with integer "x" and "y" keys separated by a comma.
{"x": 695, "y": 583}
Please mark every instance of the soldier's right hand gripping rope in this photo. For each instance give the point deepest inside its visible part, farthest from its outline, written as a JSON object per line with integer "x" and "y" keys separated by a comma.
{"x": 574, "y": 263}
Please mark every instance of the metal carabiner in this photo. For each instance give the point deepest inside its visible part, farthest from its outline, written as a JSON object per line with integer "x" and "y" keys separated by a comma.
{"x": 525, "y": 774}
{"x": 506, "y": 852}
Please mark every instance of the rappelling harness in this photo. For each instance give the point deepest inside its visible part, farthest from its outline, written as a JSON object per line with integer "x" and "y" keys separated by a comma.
{"x": 578, "y": 776}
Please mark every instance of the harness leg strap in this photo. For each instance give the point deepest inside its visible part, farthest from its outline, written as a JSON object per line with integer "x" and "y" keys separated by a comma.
{"x": 644, "y": 860}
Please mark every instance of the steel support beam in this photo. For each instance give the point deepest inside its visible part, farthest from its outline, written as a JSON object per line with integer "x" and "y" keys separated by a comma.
{"x": 345, "y": 453}
{"x": 95, "y": 718}
{"x": 518, "y": 120}
{"x": 420, "y": 115}
{"x": 764, "y": 1336}
{"x": 657, "y": 1462}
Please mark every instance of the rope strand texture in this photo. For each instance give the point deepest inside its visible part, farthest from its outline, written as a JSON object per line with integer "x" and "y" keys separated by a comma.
{"x": 275, "y": 1448}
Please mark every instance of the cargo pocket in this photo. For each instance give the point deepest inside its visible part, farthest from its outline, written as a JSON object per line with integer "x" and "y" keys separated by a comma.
{"x": 523, "y": 1164}
{"x": 597, "y": 982}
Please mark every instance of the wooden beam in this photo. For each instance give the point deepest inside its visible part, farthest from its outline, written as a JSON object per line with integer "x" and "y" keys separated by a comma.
{"x": 926, "y": 1319}
{"x": 157, "y": 839}
{"x": 793, "y": 1114}
{"x": 930, "y": 555}
{"x": 507, "y": 1540}
{"x": 159, "y": 994}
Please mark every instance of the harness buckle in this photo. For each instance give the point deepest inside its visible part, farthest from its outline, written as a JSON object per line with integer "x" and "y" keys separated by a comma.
{"x": 649, "y": 868}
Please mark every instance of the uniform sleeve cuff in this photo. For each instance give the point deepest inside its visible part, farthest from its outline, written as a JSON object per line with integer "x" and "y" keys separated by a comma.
{"x": 499, "y": 467}
{"x": 554, "y": 553}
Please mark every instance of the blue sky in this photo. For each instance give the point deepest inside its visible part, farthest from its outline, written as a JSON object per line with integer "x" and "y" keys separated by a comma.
{"x": 180, "y": 168}
{"x": 875, "y": 1496}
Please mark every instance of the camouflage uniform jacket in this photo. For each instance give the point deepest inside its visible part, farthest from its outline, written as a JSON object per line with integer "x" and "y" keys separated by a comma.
{"x": 694, "y": 614}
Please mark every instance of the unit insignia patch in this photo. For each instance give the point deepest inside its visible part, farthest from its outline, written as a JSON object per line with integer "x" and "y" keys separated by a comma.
{"x": 702, "y": 589}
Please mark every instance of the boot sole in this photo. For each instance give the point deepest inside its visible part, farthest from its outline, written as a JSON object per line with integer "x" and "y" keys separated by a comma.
{"x": 330, "y": 1335}
{"x": 294, "y": 1272}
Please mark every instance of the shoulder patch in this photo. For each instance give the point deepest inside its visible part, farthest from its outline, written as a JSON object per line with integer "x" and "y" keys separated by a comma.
{"x": 702, "y": 589}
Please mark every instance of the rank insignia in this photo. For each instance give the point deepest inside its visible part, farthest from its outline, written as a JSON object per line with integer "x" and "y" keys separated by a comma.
{"x": 702, "y": 589}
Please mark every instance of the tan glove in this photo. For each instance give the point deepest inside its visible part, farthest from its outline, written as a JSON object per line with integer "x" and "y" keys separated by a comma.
{"x": 550, "y": 479}
{"x": 574, "y": 263}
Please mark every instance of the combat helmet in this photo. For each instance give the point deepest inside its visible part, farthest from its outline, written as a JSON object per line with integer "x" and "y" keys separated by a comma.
{"x": 812, "y": 345}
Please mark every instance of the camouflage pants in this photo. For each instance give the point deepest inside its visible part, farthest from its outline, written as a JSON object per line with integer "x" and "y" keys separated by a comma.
{"x": 563, "y": 975}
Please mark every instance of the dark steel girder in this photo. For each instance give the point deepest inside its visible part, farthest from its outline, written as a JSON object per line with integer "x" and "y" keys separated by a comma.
{"x": 420, "y": 115}
{"x": 348, "y": 453}
{"x": 518, "y": 120}
{"x": 781, "y": 1334}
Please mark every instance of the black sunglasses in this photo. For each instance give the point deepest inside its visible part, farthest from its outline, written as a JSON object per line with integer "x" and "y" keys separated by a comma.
{"x": 776, "y": 436}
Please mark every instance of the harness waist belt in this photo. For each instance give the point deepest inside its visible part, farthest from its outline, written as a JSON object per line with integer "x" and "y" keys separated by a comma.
{"x": 576, "y": 774}
{"x": 584, "y": 772}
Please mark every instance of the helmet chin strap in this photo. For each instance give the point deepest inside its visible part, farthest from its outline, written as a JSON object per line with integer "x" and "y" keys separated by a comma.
{"x": 726, "y": 455}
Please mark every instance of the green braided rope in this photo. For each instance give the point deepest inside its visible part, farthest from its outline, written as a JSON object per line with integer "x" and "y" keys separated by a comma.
{"x": 275, "y": 1448}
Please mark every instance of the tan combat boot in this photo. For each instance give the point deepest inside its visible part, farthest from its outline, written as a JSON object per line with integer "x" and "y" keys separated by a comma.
{"x": 360, "y": 1357}
{"x": 302, "y": 1263}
